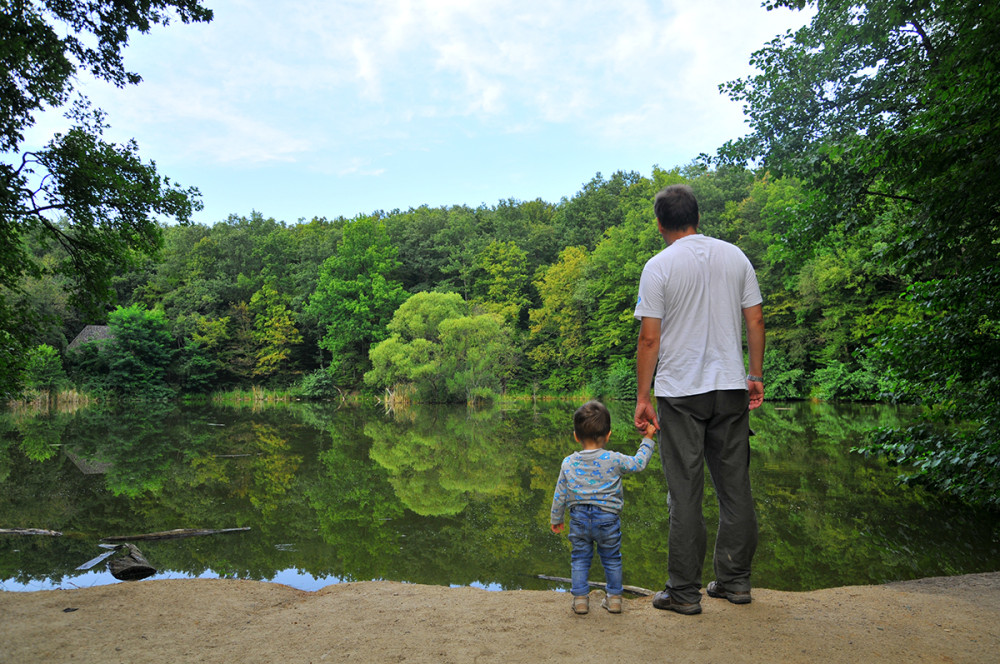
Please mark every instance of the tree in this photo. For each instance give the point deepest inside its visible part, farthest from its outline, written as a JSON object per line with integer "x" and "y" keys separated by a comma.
{"x": 98, "y": 201}
{"x": 44, "y": 370}
{"x": 478, "y": 356}
{"x": 502, "y": 279}
{"x": 440, "y": 353}
{"x": 140, "y": 352}
{"x": 275, "y": 331}
{"x": 410, "y": 359}
{"x": 888, "y": 110}
{"x": 558, "y": 328}
{"x": 356, "y": 296}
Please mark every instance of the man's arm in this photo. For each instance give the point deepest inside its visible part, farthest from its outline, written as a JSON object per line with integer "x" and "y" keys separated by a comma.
{"x": 754, "y": 318}
{"x": 647, "y": 352}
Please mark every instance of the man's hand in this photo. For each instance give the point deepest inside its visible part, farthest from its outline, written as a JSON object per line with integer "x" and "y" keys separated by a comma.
{"x": 756, "y": 393}
{"x": 645, "y": 415}
{"x": 557, "y": 528}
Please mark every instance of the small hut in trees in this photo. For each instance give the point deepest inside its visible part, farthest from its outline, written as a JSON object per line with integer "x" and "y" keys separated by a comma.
{"x": 91, "y": 333}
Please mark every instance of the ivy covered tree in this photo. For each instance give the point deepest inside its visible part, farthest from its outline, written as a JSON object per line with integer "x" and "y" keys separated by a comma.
{"x": 275, "y": 331}
{"x": 97, "y": 200}
{"x": 889, "y": 112}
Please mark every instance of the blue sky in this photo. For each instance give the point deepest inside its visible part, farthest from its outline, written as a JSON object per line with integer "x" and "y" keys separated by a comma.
{"x": 338, "y": 108}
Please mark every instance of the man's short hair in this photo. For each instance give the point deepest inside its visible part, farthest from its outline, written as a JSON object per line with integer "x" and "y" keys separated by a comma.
{"x": 676, "y": 207}
{"x": 592, "y": 421}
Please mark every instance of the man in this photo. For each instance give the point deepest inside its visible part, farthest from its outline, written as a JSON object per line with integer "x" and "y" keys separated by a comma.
{"x": 694, "y": 297}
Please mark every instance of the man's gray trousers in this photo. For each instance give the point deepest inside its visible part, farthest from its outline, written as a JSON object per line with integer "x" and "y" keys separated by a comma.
{"x": 710, "y": 428}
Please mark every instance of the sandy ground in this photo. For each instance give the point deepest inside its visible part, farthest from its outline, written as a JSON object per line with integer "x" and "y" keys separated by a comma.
{"x": 948, "y": 619}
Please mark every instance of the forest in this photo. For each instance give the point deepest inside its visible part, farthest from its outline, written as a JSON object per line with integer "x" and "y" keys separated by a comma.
{"x": 866, "y": 196}
{"x": 455, "y": 304}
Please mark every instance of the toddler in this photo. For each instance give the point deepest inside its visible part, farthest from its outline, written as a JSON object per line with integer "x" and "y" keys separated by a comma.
{"x": 590, "y": 486}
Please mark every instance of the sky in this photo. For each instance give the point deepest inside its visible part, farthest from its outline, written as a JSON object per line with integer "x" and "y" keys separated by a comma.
{"x": 330, "y": 108}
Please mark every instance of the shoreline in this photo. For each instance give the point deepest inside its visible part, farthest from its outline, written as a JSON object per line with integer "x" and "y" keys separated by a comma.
{"x": 940, "y": 619}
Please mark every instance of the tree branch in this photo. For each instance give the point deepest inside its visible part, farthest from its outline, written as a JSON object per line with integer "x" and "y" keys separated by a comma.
{"x": 896, "y": 197}
{"x": 924, "y": 39}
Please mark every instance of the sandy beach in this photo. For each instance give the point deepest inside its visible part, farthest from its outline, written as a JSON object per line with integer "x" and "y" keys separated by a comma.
{"x": 944, "y": 619}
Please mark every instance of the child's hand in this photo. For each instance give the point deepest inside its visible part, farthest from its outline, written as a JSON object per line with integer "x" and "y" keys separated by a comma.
{"x": 557, "y": 528}
{"x": 650, "y": 430}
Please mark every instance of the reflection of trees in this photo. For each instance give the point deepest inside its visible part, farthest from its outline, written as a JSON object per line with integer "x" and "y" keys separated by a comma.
{"x": 354, "y": 503}
{"x": 41, "y": 434}
{"x": 136, "y": 445}
{"x": 338, "y": 492}
{"x": 440, "y": 457}
{"x": 825, "y": 512}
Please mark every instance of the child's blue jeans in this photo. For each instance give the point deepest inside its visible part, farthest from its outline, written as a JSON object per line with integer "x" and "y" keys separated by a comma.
{"x": 589, "y": 525}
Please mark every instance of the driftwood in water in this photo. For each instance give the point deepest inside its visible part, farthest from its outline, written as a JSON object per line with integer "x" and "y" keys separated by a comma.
{"x": 30, "y": 531}
{"x": 104, "y": 556}
{"x": 172, "y": 534}
{"x": 132, "y": 566}
{"x": 635, "y": 590}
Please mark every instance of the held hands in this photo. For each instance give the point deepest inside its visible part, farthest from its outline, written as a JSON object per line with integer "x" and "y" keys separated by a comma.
{"x": 645, "y": 416}
{"x": 557, "y": 528}
{"x": 651, "y": 430}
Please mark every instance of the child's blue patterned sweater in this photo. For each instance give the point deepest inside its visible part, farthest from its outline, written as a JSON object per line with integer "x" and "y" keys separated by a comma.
{"x": 594, "y": 477}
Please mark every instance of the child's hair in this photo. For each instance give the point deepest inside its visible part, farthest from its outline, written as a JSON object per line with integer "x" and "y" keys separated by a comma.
{"x": 592, "y": 421}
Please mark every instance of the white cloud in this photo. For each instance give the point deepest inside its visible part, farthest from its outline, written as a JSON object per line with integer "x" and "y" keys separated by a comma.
{"x": 358, "y": 87}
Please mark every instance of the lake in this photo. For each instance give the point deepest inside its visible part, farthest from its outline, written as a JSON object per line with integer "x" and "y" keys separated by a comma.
{"x": 440, "y": 495}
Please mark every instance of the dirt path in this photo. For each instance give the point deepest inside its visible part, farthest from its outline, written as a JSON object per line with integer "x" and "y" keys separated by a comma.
{"x": 948, "y": 619}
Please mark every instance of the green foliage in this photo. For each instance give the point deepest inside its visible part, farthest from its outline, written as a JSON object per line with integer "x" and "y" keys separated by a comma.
{"x": 784, "y": 380}
{"x": 618, "y": 382}
{"x": 356, "y": 296}
{"x": 44, "y": 369}
{"x": 274, "y": 331}
{"x": 97, "y": 201}
{"x": 441, "y": 353}
{"x": 952, "y": 461}
{"x": 478, "y": 356}
{"x": 501, "y": 282}
{"x": 318, "y": 385}
{"x": 887, "y": 111}
{"x": 558, "y": 339}
{"x": 140, "y": 353}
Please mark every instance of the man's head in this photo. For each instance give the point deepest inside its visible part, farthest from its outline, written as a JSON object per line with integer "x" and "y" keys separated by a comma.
{"x": 676, "y": 208}
{"x": 592, "y": 421}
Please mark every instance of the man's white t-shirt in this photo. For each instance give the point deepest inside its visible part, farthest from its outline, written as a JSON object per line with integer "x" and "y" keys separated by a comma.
{"x": 698, "y": 287}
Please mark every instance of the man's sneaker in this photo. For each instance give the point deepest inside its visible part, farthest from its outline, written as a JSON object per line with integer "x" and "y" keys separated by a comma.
{"x": 613, "y": 603}
{"x": 663, "y": 600}
{"x": 716, "y": 589}
{"x": 581, "y": 604}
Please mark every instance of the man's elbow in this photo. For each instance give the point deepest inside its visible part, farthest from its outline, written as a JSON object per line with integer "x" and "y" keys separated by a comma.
{"x": 754, "y": 317}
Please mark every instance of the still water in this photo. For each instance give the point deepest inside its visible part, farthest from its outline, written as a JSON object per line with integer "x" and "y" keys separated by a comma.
{"x": 440, "y": 495}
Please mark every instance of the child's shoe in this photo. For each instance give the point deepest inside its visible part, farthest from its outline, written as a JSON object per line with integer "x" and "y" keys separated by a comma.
{"x": 581, "y": 604}
{"x": 613, "y": 603}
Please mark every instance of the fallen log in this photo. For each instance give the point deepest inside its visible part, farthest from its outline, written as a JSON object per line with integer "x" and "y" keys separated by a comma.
{"x": 30, "y": 531}
{"x": 132, "y": 566}
{"x": 635, "y": 590}
{"x": 172, "y": 534}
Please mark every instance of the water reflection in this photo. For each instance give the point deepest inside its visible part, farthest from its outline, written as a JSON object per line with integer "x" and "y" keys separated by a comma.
{"x": 439, "y": 495}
